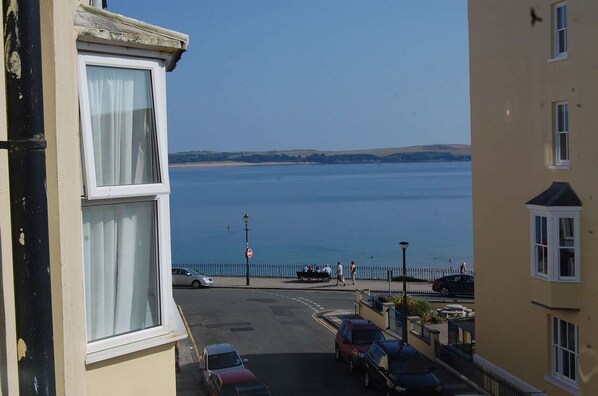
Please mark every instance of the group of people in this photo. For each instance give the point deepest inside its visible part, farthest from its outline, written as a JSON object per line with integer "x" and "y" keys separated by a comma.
{"x": 339, "y": 271}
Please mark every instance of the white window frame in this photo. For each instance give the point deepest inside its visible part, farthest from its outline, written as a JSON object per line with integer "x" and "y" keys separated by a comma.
{"x": 157, "y": 70}
{"x": 169, "y": 328}
{"x": 559, "y": 52}
{"x": 556, "y": 349}
{"x": 553, "y": 215}
{"x": 561, "y": 159}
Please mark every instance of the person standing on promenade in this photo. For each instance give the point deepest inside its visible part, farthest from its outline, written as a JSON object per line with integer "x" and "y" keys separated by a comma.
{"x": 463, "y": 267}
{"x": 353, "y": 271}
{"x": 339, "y": 274}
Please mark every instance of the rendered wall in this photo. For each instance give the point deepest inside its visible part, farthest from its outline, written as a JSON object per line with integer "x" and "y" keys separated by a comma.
{"x": 513, "y": 87}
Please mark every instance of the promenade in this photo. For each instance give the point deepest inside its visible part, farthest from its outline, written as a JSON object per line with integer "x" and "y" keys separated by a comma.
{"x": 188, "y": 379}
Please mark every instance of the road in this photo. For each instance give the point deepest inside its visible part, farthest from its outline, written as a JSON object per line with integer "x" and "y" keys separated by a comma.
{"x": 277, "y": 331}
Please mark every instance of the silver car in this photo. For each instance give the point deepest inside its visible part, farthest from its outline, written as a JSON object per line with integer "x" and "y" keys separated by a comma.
{"x": 189, "y": 277}
{"x": 218, "y": 358}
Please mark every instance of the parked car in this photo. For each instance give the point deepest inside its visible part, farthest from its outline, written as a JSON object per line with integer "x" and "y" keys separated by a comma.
{"x": 398, "y": 369}
{"x": 218, "y": 358}
{"x": 226, "y": 383}
{"x": 353, "y": 339}
{"x": 253, "y": 389}
{"x": 453, "y": 284}
{"x": 189, "y": 277}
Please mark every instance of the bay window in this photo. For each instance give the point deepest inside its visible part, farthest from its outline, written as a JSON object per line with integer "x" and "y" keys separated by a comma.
{"x": 555, "y": 244}
{"x": 125, "y": 204}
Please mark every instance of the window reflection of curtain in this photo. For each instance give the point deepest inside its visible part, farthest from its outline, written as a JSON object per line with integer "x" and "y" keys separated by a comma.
{"x": 123, "y": 126}
{"x": 119, "y": 244}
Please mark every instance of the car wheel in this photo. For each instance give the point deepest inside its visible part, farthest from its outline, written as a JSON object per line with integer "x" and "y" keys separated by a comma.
{"x": 337, "y": 353}
{"x": 351, "y": 366}
{"x": 196, "y": 284}
{"x": 366, "y": 380}
{"x": 444, "y": 291}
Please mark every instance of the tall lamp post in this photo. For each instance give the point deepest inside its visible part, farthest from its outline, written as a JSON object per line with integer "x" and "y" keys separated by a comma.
{"x": 246, "y": 220}
{"x": 404, "y": 245}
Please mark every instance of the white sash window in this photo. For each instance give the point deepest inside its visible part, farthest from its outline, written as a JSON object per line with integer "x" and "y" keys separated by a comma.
{"x": 125, "y": 214}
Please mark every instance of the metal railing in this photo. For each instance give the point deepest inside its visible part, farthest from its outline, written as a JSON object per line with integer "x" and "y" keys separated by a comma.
{"x": 364, "y": 272}
{"x": 484, "y": 378}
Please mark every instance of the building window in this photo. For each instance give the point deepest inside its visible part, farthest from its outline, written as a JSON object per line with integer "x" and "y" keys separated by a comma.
{"x": 561, "y": 127}
{"x": 565, "y": 351}
{"x": 555, "y": 244}
{"x": 126, "y": 251}
{"x": 560, "y": 30}
{"x": 541, "y": 245}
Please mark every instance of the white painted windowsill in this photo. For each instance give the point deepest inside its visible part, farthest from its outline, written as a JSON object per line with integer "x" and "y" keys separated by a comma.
{"x": 559, "y": 167}
{"x": 558, "y": 58}
{"x": 563, "y": 385}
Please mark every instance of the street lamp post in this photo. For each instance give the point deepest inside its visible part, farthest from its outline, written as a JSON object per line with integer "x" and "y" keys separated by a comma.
{"x": 404, "y": 245}
{"x": 246, "y": 220}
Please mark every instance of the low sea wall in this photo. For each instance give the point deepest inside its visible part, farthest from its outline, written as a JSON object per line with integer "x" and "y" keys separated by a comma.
{"x": 290, "y": 271}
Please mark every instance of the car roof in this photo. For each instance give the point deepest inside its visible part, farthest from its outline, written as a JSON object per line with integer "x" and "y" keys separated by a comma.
{"x": 360, "y": 324}
{"x": 215, "y": 349}
{"x": 236, "y": 375}
{"x": 396, "y": 348}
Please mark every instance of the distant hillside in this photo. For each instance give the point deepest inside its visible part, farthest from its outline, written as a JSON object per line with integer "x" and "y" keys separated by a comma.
{"x": 430, "y": 153}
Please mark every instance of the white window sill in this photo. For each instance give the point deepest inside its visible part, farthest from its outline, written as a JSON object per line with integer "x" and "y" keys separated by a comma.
{"x": 558, "y": 58}
{"x": 559, "y": 167}
{"x": 178, "y": 332}
{"x": 565, "y": 280}
{"x": 574, "y": 390}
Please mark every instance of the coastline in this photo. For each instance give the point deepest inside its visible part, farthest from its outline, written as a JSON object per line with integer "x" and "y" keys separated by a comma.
{"x": 219, "y": 164}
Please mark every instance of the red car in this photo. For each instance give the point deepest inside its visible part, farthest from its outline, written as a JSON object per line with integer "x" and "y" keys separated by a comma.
{"x": 226, "y": 382}
{"x": 353, "y": 339}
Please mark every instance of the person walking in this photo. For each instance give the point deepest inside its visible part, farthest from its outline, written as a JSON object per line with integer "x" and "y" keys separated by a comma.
{"x": 339, "y": 274}
{"x": 463, "y": 267}
{"x": 353, "y": 271}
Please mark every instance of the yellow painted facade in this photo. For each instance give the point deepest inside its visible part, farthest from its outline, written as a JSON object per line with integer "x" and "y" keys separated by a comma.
{"x": 516, "y": 82}
{"x": 147, "y": 371}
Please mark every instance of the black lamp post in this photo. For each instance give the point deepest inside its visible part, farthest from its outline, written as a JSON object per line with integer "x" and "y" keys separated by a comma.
{"x": 404, "y": 245}
{"x": 246, "y": 220}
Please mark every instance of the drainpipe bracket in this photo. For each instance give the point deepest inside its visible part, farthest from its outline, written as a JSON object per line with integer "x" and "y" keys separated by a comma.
{"x": 23, "y": 145}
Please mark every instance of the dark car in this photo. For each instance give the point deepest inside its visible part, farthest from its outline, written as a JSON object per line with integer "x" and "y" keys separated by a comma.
{"x": 254, "y": 389}
{"x": 353, "y": 339}
{"x": 454, "y": 284}
{"x": 398, "y": 369}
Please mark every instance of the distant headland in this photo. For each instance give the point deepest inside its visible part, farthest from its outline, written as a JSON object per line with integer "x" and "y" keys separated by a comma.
{"x": 427, "y": 153}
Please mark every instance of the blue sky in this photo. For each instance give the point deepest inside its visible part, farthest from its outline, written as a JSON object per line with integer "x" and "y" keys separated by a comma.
{"x": 314, "y": 74}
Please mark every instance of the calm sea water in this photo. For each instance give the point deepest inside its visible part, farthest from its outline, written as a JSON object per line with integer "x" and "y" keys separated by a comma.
{"x": 317, "y": 214}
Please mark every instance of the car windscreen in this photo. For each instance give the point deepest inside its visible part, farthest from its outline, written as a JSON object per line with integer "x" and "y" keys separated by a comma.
{"x": 224, "y": 360}
{"x": 193, "y": 272}
{"x": 408, "y": 365}
{"x": 365, "y": 337}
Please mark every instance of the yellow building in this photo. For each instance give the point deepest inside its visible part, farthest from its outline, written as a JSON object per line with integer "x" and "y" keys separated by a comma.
{"x": 534, "y": 114}
{"x": 86, "y": 302}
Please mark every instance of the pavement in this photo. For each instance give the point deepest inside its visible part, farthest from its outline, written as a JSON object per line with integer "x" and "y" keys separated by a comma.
{"x": 188, "y": 380}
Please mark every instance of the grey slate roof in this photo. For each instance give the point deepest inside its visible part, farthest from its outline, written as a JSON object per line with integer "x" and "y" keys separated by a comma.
{"x": 558, "y": 194}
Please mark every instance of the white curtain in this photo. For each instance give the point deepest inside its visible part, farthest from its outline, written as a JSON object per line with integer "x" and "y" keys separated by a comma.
{"x": 119, "y": 243}
{"x": 120, "y": 248}
{"x": 123, "y": 126}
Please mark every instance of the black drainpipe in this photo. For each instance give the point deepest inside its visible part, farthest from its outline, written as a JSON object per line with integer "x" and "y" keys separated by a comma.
{"x": 28, "y": 201}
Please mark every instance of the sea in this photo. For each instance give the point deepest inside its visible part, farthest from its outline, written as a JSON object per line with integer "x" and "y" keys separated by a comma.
{"x": 321, "y": 214}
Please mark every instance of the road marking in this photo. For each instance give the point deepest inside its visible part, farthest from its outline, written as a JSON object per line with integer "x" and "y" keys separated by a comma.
{"x": 189, "y": 331}
{"x": 326, "y": 325}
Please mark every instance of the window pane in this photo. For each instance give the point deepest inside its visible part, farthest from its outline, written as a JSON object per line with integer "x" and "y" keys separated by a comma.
{"x": 123, "y": 126}
{"x": 563, "y": 145}
{"x": 121, "y": 276}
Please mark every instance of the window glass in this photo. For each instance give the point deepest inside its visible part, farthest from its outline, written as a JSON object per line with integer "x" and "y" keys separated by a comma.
{"x": 562, "y": 133}
{"x": 123, "y": 126}
{"x": 560, "y": 29}
{"x": 565, "y": 355}
{"x": 541, "y": 249}
{"x": 121, "y": 279}
{"x": 566, "y": 246}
